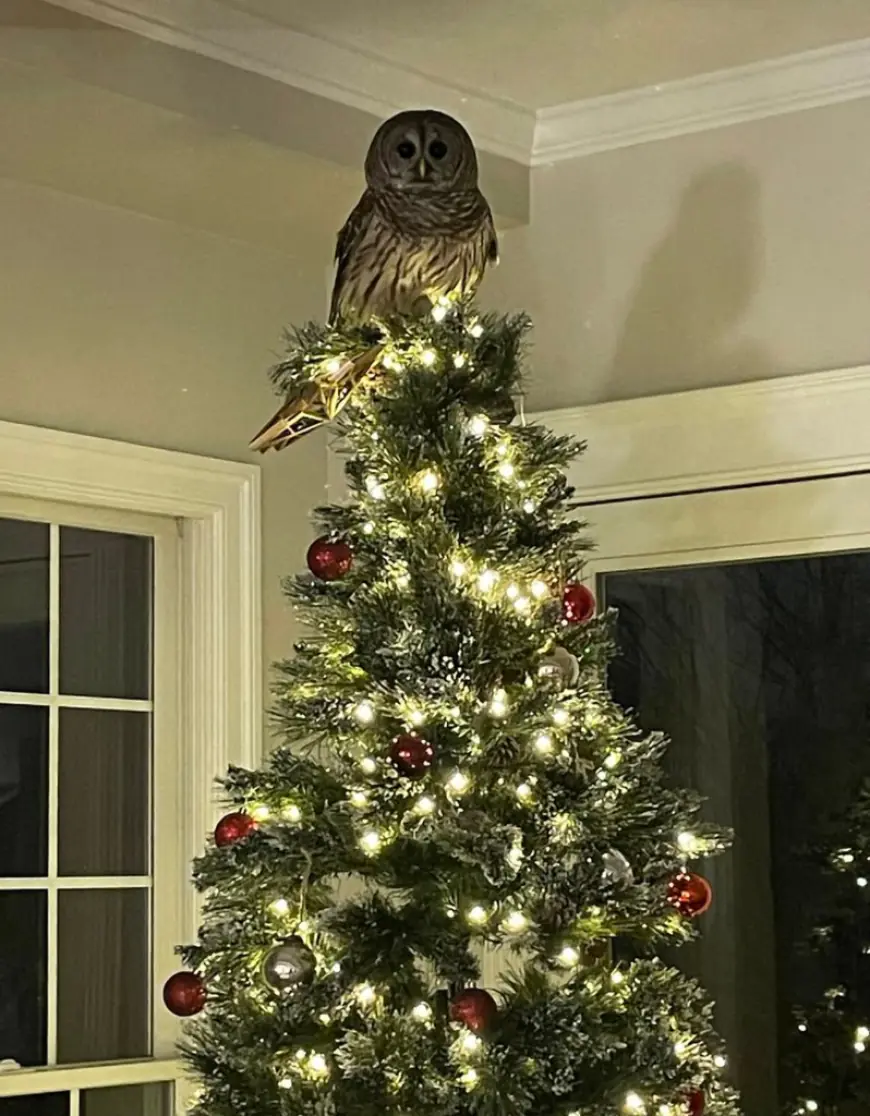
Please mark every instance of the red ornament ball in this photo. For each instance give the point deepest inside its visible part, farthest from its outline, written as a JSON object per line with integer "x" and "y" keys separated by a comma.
{"x": 578, "y": 603}
{"x": 329, "y": 559}
{"x": 411, "y": 755}
{"x": 184, "y": 994}
{"x": 690, "y": 894}
{"x": 475, "y": 1008}
{"x": 232, "y": 828}
{"x": 696, "y": 1103}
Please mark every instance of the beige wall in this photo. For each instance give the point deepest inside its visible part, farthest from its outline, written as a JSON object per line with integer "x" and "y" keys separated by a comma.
{"x": 735, "y": 254}
{"x": 128, "y": 327}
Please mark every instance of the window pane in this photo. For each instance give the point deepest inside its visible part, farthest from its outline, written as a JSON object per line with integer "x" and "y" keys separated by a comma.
{"x": 44, "y": 1104}
{"x": 23, "y": 790}
{"x": 760, "y": 673}
{"x": 23, "y": 606}
{"x": 105, "y": 614}
{"x": 103, "y": 975}
{"x": 104, "y": 793}
{"x": 22, "y": 976}
{"x": 133, "y": 1100}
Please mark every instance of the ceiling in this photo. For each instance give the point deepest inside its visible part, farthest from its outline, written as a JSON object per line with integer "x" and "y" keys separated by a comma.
{"x": 540, "y": 53}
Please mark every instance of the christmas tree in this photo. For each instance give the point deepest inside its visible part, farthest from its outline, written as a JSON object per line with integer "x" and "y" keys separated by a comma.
{"x": 455, "y": 787}
{"x": 828, "y": 1061}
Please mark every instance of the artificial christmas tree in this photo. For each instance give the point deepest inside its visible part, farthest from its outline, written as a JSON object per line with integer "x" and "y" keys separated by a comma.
{"x": 828, "y": 1069}
{"x": 450, "y": 745}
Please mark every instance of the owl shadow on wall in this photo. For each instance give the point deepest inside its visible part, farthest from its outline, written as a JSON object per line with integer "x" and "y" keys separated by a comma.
{"x": 694, "y": 291}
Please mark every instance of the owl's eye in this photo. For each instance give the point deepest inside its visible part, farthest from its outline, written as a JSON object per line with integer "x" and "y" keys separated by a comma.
{"x": 437, "y": 149}
{"x": 406, "y": 149}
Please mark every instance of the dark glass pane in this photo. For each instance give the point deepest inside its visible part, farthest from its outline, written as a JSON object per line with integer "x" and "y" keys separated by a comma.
{"x": 760, "y": 673}
{"x": 23, "y": 976}
{"x": 23, "y": 790}
{"x": 105, "y": 614}
{"x": 24, "y": 606}
{"x": 103, "y": 975}
{"x": 43, "y": 1104}
{"x": 132, "y": 1100}
{"x": 104, "y": 767}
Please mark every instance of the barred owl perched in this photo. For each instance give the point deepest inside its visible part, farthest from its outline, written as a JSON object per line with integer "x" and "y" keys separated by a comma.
{"x": 422, "y": 229}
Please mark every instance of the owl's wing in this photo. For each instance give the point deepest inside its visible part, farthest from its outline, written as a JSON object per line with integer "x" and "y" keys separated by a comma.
{"x": 491, "y": 237}
{"x": 346, "y": 243}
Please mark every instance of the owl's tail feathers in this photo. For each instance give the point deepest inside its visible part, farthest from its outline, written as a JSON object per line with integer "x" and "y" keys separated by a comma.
{"x": 316, "y": 402}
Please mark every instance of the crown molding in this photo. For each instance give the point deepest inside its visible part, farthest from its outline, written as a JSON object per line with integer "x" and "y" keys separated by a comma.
{"x": 227, "y": 34}
{"x": 794, "y": 83}
{"x": 220, "y": 31}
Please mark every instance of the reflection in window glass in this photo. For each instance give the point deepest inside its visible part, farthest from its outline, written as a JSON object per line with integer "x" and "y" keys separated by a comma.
{"x": 22, "y": 977}
{"x": 760, "y": 674}
{"x": 105, "y": 614}
{"x": 43, "y": 1104}
{"x": 104, "y": 793}
{"x": 24, "y": 606}
{"x": 103, "y": 975}
{"x": 23, "y": 791}
{"x": 132, "y": 1100}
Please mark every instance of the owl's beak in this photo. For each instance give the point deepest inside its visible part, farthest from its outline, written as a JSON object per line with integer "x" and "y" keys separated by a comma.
{"x": 423, "y": 168}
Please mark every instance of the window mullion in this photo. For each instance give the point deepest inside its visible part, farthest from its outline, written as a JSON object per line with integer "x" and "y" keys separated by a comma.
{"x": 53, "y": 790}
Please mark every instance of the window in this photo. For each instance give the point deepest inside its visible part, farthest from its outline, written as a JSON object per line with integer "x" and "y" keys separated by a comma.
{"x": 88, "y": 704}
{"x": 129, "y": 627}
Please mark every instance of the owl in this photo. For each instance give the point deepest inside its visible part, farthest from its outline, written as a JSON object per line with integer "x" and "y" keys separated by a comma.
{"x": 421, "y": 230}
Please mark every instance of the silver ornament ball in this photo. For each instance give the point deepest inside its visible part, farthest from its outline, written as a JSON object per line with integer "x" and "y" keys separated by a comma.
{"x": 562, "y": 667}
{"x": 616, "y": 868}
{"x": 289, "y": 965}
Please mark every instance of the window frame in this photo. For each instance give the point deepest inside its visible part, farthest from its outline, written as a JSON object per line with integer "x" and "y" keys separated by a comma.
{"x": 217, "y": 630}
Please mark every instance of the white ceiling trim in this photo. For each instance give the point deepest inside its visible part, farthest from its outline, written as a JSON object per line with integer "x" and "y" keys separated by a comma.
{"x": 227, "y": 34}
{"x": 550, "y": 135}
{"x": 713, "y": 100}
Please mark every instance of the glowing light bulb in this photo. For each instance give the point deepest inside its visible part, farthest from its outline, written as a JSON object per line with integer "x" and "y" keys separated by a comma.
{"x": 325, "y": 1018}
{"x": 516, "y": 922}
{"x": 458, "y": 782}
{"x": 524, "y": 792}
{"x": 522, "y": 604}
{"x": 470, "y": 1042}
{"x": 561, "y": 716}
{"x": 811, "y": 1106}
{"x": 318, "y": 1065}
{"x": 428, "y": 481}
{"x": 539, "y": 589}
{"x": 458, "y": 568}
{"x": 478, "y": 426}
{"x": 261, "y": 813}
{"x": 439, "y": 312}
{"x": 498, "y": 706}
{"x": 279, "y": 907}
{"x": 421, "y": 1012}
{"x": 802, "y": 1027}
{"x": 665, "y": 1110}
{"x": 364, "y": 712}
{"x": 291, "y": 813}
{"x": 477, "y": 916}
{"x": 506, "y": 470}
{"x": 847, "y": 858}
{"x": 333, "y": 367}
{"x": 720, "y": 1061}
{"x": 512, "y": 592}
{"x": 365, "y": 994}
{"x": 487, "y": 581}
{"x": 370, "y": 841}
{"x": 374, "y": 488}
{"x": 634, "y": 1103}
{"x": 862, "y": 1034}
{"x": 569, "y": 956}
{"x": 402, "y": 581}
{"x": 861, "y": 881}
{"x": 476, "y": 330}
{"x": 425, "y": 805}
{"x": 368, "y": 765}
{"x": 459, "y": 360}
{"x": 285, "y": 1083}
{"x": 470, "y": 1077}
{"x": 428, "y": 357}
{"x": 687, "y": 842}
{"x": 612, "y": 760}
{"x": 544, "y": 743}
{"x": 368, "y": 527}
{"x": 859, "y": 1047}
{"x": 680, "y": 1049}
{"x": 359, "y": 798}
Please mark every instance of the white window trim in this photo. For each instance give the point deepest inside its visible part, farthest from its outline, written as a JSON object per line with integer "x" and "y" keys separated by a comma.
{"x": 792, "y": 427}
{"x": 217, "y": 506}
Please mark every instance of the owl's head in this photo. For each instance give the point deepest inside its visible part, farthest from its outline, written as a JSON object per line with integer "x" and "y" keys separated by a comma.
{"x": 421, "y": 148}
